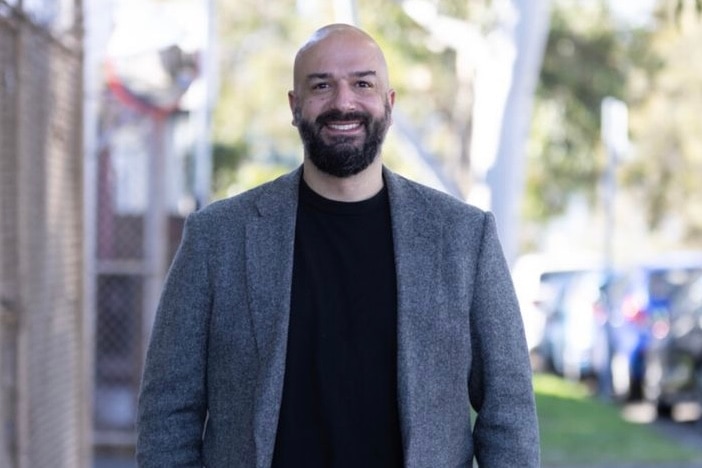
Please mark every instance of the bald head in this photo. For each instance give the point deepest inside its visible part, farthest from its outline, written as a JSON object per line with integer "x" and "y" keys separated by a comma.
{"x": 341, "y": 42}
{"x": 341, "y": 104}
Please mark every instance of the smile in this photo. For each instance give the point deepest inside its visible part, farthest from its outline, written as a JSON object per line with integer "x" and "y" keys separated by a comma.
{"x": 344, "y": 127}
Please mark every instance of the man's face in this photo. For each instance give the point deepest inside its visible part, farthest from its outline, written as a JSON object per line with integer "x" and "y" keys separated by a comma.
{"x": 338, "y": 154}
{"x": 341, "y": 103}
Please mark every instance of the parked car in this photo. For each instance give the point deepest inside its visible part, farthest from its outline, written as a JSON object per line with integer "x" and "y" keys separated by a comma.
{"x": 539, "y": 281}
{"x": 526, "y": 275}
{"x": 637, "y": 302}
{"x": 573, "y": 322}
{"x": 674, "y": 357}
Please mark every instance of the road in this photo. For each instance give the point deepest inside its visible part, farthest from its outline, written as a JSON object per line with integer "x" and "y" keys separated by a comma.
{"x": 684, "y": 426}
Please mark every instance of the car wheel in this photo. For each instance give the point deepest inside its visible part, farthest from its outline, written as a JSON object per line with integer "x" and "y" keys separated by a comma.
{"x": 621, "y": 376}
{"x": 664, "y": 409}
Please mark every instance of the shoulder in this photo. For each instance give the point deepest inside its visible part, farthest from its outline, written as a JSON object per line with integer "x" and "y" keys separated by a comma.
{"x": 279, "y": 193}
{"x": 425, "y": 200}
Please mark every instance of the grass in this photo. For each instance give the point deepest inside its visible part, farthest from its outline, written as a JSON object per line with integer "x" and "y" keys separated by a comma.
{"x": 579, "y": 430}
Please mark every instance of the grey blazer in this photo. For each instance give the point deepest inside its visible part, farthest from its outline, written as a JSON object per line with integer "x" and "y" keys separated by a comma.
{"x": 213, "y": 377}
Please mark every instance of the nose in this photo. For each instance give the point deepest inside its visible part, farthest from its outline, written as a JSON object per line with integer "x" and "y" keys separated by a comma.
{"x": 344, "y": 98}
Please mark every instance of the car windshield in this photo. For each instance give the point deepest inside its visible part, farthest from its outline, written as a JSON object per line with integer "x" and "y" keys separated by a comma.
{"x": 688, "y": 299}
{"x": 663, "y": 283}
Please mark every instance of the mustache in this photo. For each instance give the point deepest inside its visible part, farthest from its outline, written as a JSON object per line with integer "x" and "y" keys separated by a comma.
{"x": 335, "y": 115}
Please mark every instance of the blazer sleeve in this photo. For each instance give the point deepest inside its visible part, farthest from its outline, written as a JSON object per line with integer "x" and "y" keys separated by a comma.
{"x": 172, "y": 404}
{"x": 506, "y": 430}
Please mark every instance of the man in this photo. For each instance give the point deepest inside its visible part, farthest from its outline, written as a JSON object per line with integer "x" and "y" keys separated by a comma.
{"x": 341, "y": 315}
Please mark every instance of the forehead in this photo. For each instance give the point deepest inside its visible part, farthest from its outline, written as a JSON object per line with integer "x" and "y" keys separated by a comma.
{"x": 340, "y": 54}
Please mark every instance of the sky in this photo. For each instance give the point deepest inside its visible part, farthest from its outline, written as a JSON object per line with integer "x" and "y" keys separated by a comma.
{"x": 634, "y": 11}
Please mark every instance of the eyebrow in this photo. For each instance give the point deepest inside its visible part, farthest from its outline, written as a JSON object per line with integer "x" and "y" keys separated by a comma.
{"x": 358, "y": 74}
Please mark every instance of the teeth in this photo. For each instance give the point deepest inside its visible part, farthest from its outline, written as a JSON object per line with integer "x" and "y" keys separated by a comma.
{"x": 343, "y": 127}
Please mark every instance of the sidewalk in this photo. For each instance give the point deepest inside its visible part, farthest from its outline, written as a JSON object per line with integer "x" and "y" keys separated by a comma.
{"x": 114, "y": 461}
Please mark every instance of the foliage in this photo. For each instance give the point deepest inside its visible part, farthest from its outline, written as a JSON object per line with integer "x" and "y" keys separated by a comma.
{"x": 586, "y": 59}
{"x": 588, "y": 56}
{"x": 665, "y": 125}
{"x": 655, "y": 69}
{"x": 226, "y": 158}
{"x": 256, "y": 47}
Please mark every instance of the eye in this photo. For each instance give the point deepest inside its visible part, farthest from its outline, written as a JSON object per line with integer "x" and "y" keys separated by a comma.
{"x": 364, "y": 84}
{"x": 320, "y": 85}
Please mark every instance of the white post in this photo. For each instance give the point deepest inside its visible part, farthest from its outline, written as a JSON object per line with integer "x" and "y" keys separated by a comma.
{"x": 615, "y": 138}
{"x": 614, "y": 129}
{"x": 202, "y": 115}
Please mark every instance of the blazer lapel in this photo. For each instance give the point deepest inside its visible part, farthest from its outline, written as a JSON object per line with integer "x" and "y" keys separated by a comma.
{"x": 269, "y": 256}
{"x": 417, "y": 263}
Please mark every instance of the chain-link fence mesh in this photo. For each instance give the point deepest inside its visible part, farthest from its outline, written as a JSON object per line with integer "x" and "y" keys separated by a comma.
{"x": 79, "y": 277}
{"x": 44, "y": 404}
{"x": 9, "y": 278}
{"x": 137, "y": 234}
{"x": 145, "y": 164}
{"x": 120, "y": 270}
{"x": 43, "y": 358}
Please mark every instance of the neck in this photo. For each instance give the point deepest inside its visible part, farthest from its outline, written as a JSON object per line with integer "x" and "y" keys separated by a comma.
{"x": 358, "y": 187}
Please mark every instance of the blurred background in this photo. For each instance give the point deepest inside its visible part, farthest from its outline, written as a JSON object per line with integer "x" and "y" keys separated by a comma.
{"x": 574, "y": 121}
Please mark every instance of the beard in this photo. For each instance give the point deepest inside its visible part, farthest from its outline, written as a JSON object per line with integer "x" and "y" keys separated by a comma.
{"x": 342, "y": 157}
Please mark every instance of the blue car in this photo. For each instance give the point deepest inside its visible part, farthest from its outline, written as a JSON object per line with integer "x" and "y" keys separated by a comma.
{"x": 637, "y": 303}
{"x": 674, "y": 357}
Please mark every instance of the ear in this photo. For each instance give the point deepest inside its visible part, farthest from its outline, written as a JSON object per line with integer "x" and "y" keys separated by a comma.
{"x": 292, "y": 102}
{"x": 391, "y": 101}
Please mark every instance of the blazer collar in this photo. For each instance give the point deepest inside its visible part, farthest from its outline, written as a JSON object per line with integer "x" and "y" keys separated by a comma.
{"x": 417, "y": 234}
{"x": 270, "y": 240}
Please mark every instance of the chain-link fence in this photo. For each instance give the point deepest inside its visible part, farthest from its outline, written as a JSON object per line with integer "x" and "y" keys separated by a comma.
{"x": 135, "y": 239}
{"x": 149, "y": 159}
{"x": 44, "y": 362}
{"x": 85, "y": 241}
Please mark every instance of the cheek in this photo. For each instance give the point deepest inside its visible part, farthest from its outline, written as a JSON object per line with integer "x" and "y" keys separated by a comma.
{"x": 311, "y": 108}
{"x": 374, "y": 104}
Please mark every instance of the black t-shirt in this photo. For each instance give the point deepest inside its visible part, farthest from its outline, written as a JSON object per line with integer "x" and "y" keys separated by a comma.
{"x": 339, "y": 405}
